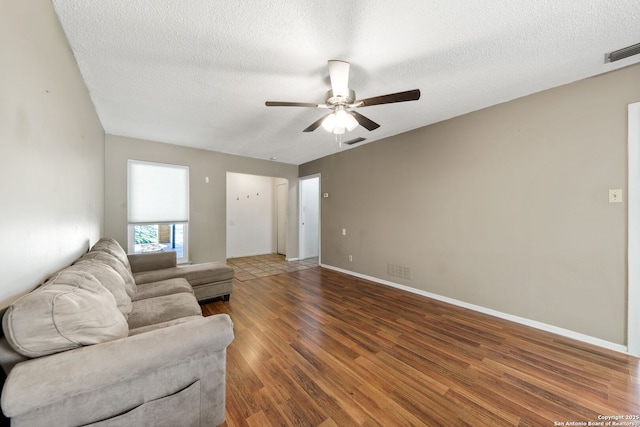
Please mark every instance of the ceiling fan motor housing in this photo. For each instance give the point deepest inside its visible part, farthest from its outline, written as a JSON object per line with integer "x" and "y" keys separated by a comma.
{"x": 346, "y": 97}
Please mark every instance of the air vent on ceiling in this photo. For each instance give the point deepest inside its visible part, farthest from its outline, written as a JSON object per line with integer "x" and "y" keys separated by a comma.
{"x": 355, "y": 141}
{"x": 623, "y": 53}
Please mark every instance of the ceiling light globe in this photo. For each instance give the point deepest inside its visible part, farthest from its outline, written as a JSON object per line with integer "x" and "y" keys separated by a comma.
{"x": 341, "y": 118}
{"x": 329, "y": 123}
{"x": 352, "y": 123}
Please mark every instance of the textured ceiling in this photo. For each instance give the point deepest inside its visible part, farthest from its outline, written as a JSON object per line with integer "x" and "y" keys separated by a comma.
{"x": 198, "y": 72}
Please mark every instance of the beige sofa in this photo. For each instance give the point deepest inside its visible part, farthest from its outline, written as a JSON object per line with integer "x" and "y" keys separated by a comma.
{"x": 100, "y": 344}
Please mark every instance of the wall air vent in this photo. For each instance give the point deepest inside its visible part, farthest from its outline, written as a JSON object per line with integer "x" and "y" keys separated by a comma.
{"x": 399, "y": 271}
{"x": 623, "y": 53}
{"x": 355, "y": 141}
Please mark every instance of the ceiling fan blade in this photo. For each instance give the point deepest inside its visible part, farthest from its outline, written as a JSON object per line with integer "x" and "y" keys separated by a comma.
{"x": 292, "y": 104}
{"x": 315, "y": 125}
{"x": 365, "y": 122}
{"x": 410, "y": 95}
{"x": 339, "y": 75}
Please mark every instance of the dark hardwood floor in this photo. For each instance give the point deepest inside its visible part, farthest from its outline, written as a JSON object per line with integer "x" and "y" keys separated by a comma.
{"x": 320, "y": 348}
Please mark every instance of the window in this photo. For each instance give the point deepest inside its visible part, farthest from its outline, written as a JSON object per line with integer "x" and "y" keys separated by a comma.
{"x": 158, "y": 208}
{"x": 158, "y": 237}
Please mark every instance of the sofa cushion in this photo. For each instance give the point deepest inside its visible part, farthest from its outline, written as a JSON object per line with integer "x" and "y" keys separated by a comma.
{"x": 163, "y": 287}
{"x": 196, "y": 274}
{"x": 108, "y": 278}
{"x": 152, "y": 261}
{"x": 113, "y": 262}
{"x": 112, "y": 247}
{"x": 156, "y": 310}
{"x": 71, "y": 310}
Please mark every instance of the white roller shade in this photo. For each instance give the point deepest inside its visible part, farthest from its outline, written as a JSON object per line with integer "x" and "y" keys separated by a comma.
{"x": 157, "y": 193}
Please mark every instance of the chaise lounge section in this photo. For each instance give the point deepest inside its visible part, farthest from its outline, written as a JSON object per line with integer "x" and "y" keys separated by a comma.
{"x": 95, "y": 346}
{"x": 209, "y": 280}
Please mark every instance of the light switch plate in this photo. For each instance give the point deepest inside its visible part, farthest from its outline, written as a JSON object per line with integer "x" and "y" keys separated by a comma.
{"x": 615, "y": 196}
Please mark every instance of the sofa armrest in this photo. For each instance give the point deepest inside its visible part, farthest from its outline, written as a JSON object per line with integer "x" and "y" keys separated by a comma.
{"x": 152, "y": 261}
{"x": 140, "y": 367}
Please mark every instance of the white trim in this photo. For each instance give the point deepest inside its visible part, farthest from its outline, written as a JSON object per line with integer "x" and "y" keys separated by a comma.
{"x": 292, "y": 259}
{"x": 251, "y": 254}
{"x": 516, "y": 319}
{"x": 633, "y": 248}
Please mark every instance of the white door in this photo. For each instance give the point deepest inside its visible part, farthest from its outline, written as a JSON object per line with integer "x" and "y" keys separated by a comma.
{"x": 282, "y": 218}
{"x": 309, "y": 217}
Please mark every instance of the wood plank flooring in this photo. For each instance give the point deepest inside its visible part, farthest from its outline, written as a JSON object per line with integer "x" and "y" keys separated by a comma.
{"x": 320, "y": 348}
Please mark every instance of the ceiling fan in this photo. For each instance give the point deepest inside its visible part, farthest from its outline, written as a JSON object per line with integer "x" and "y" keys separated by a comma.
{"x": 342, "y": 102}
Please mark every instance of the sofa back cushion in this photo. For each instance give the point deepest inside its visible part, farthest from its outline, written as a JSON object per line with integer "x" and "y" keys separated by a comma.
{"x": 110, "y": 279}
{"x": 113, "y": 262}
{"x": 71, "y": 310}
{"x": 112, "y": 247}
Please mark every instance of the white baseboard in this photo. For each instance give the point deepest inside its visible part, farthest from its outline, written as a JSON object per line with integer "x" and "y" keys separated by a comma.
{"x": 516, "y": 319}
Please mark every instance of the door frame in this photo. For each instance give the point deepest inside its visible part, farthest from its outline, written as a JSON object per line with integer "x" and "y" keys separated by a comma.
{"x": 285, "y": 199}
{"x": 633, "y": 229}
{"x": 300, "y": 230}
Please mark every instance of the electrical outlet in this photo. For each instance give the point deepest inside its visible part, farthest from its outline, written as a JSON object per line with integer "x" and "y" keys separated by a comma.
{"x": 344, "y": 231}
{"x": 350, "y": 258}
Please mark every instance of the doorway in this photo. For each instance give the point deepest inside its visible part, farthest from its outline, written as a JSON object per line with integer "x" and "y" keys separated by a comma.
{"x": 256, "y": 215}
{"x": 310, "y": 217}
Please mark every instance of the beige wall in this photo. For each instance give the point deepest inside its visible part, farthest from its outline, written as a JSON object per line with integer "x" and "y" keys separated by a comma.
{"x": 207, "y": 223}
{"x": 52, "y": 150}
{"x": 505, "y": 208}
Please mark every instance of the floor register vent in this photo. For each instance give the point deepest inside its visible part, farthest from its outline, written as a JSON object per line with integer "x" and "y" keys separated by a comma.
{"x": 399, "y": 271}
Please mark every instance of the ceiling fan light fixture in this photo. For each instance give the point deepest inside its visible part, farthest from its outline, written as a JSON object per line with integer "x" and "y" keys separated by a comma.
{"x": 339, "y": 121}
